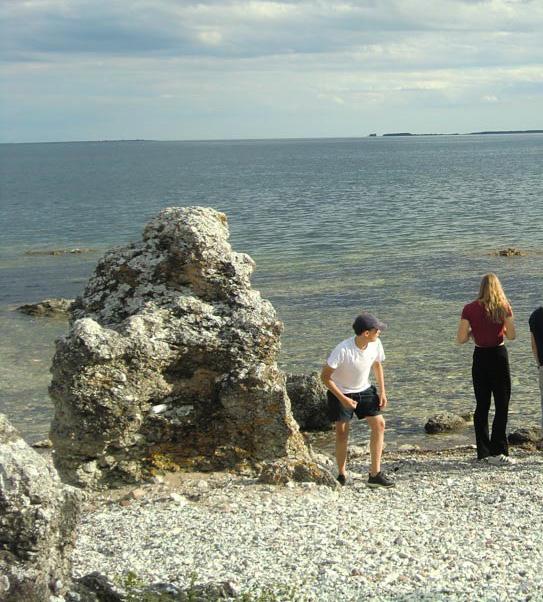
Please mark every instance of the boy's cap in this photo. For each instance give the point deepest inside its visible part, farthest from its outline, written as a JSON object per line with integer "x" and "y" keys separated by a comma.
{"x": 367, "y": 321}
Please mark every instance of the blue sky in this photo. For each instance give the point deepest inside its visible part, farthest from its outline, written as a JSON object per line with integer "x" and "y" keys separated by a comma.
{"x": 160, "y": 69}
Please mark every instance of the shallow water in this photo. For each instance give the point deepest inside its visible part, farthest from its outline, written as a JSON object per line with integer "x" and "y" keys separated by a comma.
{"x": 401, "y": 227}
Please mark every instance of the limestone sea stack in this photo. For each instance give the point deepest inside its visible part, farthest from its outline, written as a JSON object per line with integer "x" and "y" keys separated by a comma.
{"x": 38, "y": 516}
{"x": 170, "y": 361}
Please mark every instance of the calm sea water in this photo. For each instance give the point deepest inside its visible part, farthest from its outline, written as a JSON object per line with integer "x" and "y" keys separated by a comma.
{"x": 403, "y": 227}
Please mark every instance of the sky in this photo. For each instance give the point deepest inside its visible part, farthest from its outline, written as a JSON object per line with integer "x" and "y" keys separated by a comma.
{"x": 213, "y": 69}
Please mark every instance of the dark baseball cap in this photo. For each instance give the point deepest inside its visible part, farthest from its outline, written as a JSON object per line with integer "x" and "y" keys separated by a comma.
{"x": 367, "y": 321}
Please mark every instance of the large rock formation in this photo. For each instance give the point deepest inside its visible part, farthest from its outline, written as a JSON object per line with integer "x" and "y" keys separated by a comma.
{"x": 37, "y": 520}
{"x": 171, "y": 360}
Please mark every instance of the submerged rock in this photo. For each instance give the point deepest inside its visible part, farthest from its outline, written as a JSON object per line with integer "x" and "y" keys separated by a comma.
{"x": 170, "y": 361}
{"x": 510, "y": 252}
{"x": 38, "y": 515}
{"x": 56, "y": 252}
{"x": 446, "y": 422}
{"x": 48, "y": 307}
{"x": 307, "y": 395}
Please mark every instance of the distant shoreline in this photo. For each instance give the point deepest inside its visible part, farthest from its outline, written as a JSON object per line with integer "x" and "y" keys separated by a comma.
{"x": 484, "y": 133}
{"x": 371, "y": 135}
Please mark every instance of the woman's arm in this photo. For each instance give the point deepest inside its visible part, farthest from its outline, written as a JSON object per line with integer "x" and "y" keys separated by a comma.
{"x": 534, "y": 349}
{"x": 510, "y": 331}
{"x": 463, "y": 334}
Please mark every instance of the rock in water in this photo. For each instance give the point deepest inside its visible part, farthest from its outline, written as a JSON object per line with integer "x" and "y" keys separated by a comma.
{"x": 47, "y": 307}
{"x": 308, "y": 399}
{"x": 446, "y": 422}
{"x": 38, "y": 515}
{"x": 170, "y": 361}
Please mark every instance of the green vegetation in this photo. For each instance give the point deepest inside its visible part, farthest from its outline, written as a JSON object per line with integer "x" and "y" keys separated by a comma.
{"x": 136, "y": 590}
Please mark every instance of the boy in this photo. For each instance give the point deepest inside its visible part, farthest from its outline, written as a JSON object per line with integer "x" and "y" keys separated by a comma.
{"x": 346, "y": 376}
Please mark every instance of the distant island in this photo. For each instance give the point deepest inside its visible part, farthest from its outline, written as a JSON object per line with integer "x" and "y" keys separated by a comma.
{"x": 467, "y": 134}
{"x": 510, "y": 132}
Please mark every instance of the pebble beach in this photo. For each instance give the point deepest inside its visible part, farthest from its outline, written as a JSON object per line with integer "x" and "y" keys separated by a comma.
{"x": 451, "y": 529}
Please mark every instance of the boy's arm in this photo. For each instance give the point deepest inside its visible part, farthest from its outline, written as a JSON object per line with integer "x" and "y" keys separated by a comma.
{"x": 326, "y": 377}
{"x": 380, "y": 378}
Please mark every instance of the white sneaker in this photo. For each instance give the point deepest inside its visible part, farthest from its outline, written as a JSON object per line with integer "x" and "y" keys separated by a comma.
{"x": 500, "y": 460}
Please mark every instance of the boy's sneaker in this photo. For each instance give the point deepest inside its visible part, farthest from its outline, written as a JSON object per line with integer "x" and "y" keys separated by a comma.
{"x": 341, "y": 479}
{"x": 501, "y": 460}
{"x": 380, "y": 480}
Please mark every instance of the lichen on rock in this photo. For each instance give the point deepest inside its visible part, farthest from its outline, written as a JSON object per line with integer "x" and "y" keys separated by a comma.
{"x": 170, "y": 361}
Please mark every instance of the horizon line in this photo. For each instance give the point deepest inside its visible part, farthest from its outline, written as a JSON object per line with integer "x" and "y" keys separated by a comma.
{"x": 404, "y": 134}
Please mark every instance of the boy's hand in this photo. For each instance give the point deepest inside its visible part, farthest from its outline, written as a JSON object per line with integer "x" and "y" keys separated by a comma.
{"x": 349, "y": 404}
{"x": 383, "y": 401}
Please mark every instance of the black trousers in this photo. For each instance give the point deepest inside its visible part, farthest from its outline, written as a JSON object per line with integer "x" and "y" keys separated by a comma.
{"x": 491, "y": 377}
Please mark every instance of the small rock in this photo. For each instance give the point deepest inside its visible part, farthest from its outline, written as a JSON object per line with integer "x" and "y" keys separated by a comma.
{"x": 137, "y": 494}
{"x": 4, "y": 583}
{"x": 179, "y": 499}
{"x": 55, "y": 252}
{"x": 525, "y": 436}
{"x": 42, "y": 444}
{"x": 510, "y": 252}
{"x": 444, "y": 422}
{"x": 357, "y": 451}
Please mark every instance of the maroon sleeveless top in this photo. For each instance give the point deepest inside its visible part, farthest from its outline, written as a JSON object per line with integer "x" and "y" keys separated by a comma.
{"x": 486, "y": 333}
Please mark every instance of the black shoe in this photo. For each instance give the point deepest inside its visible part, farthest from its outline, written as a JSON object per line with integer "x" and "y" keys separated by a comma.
{"x": 341, "y": 479}
{"x": 380, "y": 480}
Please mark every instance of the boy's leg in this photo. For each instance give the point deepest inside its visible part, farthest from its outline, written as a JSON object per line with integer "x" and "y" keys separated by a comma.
{"x": 342, "y": 439}
{"x": 377, "y": 437}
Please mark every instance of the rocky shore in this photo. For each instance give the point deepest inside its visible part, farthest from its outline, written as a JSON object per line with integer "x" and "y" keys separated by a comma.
{"x": 450, "y": 530}
{"x": 184, "y": 472}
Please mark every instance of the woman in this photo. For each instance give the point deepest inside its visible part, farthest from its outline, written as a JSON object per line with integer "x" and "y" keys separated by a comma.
{"x": 487, "y": 320}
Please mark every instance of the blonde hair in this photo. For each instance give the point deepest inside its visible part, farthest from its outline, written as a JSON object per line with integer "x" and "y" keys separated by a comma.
{"x": 493, "y": 299}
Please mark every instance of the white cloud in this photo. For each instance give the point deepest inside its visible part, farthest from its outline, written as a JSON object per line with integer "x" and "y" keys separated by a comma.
{"x": 211, "y": 38}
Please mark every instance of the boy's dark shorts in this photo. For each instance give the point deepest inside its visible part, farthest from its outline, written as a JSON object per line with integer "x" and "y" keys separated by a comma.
{"x": 367, "y": 405}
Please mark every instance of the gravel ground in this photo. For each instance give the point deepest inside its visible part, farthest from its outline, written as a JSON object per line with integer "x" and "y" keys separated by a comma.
{"x": 450, "y": 530}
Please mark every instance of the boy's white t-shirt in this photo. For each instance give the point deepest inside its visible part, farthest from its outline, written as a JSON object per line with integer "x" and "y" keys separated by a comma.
{"x": 352, "y": 365}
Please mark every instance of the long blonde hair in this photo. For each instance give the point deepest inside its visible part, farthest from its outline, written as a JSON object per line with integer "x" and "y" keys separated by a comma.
{"x": 493, "y": 299}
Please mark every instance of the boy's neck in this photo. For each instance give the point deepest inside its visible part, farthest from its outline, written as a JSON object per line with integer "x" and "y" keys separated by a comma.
{"x": 361, "y": 341}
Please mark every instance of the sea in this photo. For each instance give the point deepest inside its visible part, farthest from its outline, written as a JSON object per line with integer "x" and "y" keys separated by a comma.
{"x": 403, "y": 227}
